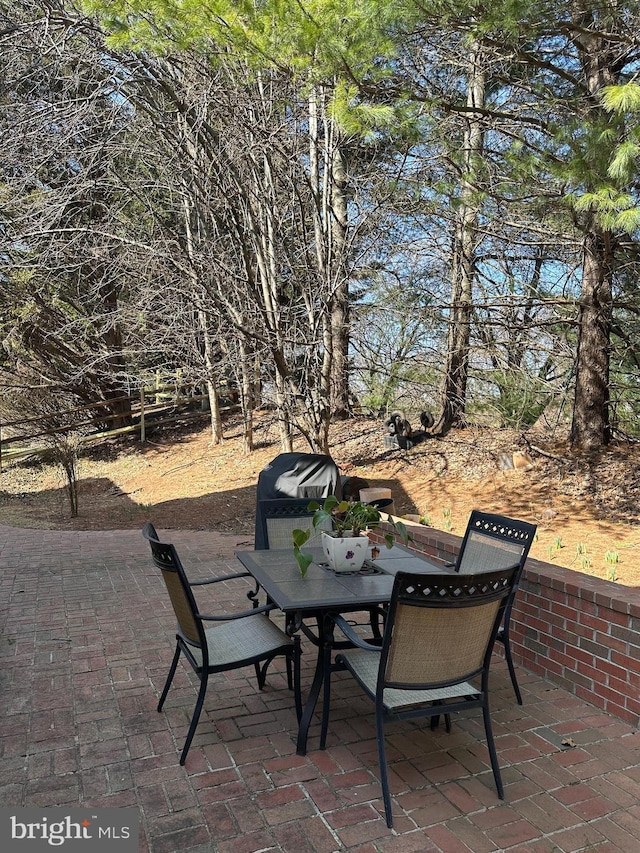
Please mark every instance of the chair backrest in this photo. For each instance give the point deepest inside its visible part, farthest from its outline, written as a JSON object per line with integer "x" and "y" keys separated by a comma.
{"x": 183, "y": 602}
{"x": 440, "y": 629}
{"x": 279, "y": 517}
{"x": 494, "y": 542}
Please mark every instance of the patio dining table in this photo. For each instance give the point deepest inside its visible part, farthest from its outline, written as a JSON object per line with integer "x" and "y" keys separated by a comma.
{"x": 323, "y": 591}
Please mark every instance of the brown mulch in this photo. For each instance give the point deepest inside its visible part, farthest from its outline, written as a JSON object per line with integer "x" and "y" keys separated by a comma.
{"x": 586, "y": 509}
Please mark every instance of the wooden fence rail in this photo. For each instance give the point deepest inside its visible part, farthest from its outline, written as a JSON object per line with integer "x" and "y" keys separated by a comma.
{"x": 140, "y": 410}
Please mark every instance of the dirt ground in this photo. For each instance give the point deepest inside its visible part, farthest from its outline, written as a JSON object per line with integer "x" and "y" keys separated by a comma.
{"x": 586, "y": 510}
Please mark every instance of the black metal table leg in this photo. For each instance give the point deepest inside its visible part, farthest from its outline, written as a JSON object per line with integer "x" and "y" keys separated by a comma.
{"x": 310, "y": 704}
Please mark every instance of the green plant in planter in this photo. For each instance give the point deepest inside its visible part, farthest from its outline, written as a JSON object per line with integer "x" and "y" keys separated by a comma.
{"x": 348, "y": 519}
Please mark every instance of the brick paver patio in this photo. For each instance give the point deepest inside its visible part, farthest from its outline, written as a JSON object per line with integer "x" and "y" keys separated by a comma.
{"x": 85, "y": 645}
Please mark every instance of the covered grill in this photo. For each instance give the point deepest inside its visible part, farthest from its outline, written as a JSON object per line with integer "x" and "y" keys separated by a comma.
{"x": 296, "y": 476}
{"x": 299, "y": 475}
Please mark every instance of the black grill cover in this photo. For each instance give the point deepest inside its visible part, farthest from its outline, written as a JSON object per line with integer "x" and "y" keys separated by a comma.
{"x": 297, "y": 475}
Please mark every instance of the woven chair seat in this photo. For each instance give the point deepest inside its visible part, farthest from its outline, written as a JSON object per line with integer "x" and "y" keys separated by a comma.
{"x": 365, "y": 666}
{"x": 242, "y": 639}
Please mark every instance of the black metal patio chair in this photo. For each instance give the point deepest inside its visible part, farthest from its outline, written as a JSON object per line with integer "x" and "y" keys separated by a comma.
{"x": 493, "y": 542}
{"x": 439, "y": 635}
{"x": 235, "y": 640}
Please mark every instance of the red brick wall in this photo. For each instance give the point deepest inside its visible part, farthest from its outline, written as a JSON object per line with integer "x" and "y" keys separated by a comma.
{"x": 580, "y": 632}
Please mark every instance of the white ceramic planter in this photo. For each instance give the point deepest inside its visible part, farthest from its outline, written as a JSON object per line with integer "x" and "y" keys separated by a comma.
{"x": 345, "y": 553}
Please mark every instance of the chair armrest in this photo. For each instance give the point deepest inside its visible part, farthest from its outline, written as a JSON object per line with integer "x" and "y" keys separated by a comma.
{"x": 229, "y": 617}
{"x": 218, "y": 580}
{"x": 351, "y": 635}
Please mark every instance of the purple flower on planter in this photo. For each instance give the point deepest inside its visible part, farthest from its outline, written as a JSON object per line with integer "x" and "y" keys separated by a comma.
{"x": 349, "y": 555}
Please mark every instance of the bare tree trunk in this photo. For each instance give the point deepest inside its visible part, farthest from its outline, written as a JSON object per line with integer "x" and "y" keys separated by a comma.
{"x": 590, "y": 428}
{"x": 198, "y": 291}
{"x": 284, "y": 421}
{"x": 339, "y": 395}
{"x": 454, "y": 391}
{"x": 248, "y": 400}
{"x": 217, "y": 436}
{"x": 329, "y": 184}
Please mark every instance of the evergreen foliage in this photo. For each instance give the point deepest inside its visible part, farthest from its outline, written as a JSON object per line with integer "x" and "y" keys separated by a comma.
{"x": 433, "y": 200}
